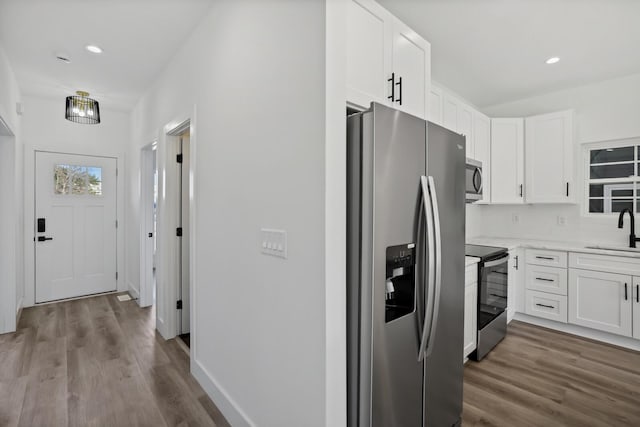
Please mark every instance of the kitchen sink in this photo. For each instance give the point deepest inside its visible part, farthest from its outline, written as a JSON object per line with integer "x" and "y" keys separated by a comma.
{"x": 614, "y": 248}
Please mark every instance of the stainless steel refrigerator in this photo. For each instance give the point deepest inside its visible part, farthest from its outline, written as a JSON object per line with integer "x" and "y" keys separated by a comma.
{"x": 405, "y": 285}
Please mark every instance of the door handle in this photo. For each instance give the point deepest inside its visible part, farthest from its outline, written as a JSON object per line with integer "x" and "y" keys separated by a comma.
{"x": 399, "y": 84}
{"x": 392, "y": 80}
{"x": 477, "y": 180}
{"x": 637, "y": 293}
{"x": 626, "y": 295}
{"x": 429, "y": 288}
{"x": 438, "y": 273}
{"x": 150, "y": 234}
{"x": 43, "y": 238}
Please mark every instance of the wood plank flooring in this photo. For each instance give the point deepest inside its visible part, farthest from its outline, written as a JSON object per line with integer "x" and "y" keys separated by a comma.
{"x": 540, "y": 377}
{"x": 97, "y": 362}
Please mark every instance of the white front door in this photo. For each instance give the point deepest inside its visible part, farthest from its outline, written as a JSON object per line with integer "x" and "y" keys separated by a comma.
{"x": 75, "y": 225}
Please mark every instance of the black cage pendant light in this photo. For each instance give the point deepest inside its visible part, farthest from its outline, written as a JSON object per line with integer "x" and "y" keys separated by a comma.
{"x": 82, "y": 109}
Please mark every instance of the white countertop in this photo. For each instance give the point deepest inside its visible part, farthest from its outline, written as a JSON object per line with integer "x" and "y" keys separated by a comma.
{"x": 513, "y": 243}
{"x": 470, "y": 260}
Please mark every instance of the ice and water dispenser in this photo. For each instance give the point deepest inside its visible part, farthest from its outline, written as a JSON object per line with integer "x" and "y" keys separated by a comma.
{"x": 400, "y": 281}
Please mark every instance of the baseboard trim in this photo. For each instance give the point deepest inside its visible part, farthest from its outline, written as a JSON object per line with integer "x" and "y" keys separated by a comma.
{"x": 629, "y": 343}
{"x": 135, "y": 294}
{"x": 234, "y": 415}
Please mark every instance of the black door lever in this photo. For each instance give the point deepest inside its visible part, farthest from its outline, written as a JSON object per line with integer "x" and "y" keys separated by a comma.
{"x": 43, "y": 238}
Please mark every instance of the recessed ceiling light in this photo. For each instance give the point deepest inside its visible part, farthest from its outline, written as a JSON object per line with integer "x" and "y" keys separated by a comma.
{"x": 93, "y": 48}
{"x": 552, "y": 60}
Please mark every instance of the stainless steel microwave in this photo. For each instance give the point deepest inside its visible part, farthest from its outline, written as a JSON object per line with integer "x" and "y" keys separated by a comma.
{"x": 473, "y": 180}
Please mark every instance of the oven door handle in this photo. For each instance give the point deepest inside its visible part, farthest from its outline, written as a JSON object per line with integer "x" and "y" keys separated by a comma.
{"x": 497, "y": 262}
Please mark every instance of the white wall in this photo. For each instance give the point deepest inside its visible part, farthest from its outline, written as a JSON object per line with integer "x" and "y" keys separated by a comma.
{"x": 603, "y": 111}
{"x": 44, "y": 128}
{"x": 255, "y": 73}
{"x": 11, "y": 206}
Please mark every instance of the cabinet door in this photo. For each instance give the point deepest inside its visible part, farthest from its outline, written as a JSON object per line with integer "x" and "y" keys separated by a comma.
{"x": 598, "y": 300}
{"x": 450, "y": 115}
{"x": 470, "y": 318}
{"x": 507, "y": 161}
{"x": 465, "y": 127}
{"x": 636, "y": 307}
{"x": 412, "y": 64}
{"x": 482, "y": 151}
{"x": 549, "y": 158}
{"x": 369, "y": 30}
{"x": 515, "y": 284}
{"x": 435, "y": 105}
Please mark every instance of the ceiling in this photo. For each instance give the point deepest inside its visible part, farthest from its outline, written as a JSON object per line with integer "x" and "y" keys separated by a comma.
{"x": 494, "y": 51}
{"x": 138, "y": 38}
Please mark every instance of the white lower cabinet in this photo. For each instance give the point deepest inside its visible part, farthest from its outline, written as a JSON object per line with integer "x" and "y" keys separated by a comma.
{"x": 470, "y": 309}
{"x": 636, "y": 307}
{"x": 546, "y": 305}
{"x": 601, "y": 300}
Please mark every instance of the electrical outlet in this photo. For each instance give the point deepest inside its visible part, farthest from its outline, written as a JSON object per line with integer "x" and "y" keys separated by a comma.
{"x": 273, "y": 242}
{"x": 515, "y": 218}
{"x": 562, "y": 220}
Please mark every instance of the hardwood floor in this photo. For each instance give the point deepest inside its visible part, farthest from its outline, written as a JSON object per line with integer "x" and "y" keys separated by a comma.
{"x": 539, "y": 377}
{"x": 97, "y": 362}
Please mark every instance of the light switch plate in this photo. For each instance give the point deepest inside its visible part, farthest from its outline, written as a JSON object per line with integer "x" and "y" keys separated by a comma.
{"x": 273, "y": 242}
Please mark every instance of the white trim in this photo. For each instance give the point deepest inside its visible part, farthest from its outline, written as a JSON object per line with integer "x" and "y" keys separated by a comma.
{"x": 229, "y": 408}
{"x": 147, "y": 169}
{"x": 8, "y": 243}
{"x": 167, "y": 242}
{"x": 133, "y": 291}
{"x": 335, "y": 215}
{"x": 581, "y": 331}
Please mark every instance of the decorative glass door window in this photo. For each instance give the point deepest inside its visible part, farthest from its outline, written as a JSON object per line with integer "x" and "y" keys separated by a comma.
{"x": 77, "y": 180}
{"x": 613, "y": 179}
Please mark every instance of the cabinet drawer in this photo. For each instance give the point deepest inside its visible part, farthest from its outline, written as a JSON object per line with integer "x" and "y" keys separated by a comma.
{"x": 546, "y": 279}
{"x": 548, "y": 258}
{"x": 608, "y": 263}
{"x": 546, "y": 305}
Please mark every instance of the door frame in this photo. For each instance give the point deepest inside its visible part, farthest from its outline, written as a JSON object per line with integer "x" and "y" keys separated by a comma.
{"x": 8, "y": 217}
{"x": 167, "y": 267}
{"x": 148, "y": 161}
{"x": 30, "y": 213}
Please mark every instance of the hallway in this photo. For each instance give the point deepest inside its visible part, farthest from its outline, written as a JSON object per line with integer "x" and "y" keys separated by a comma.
{"x": 97, "y": 362}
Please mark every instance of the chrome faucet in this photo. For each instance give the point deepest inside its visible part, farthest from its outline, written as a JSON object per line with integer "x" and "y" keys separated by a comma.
{"x": 632, "y": 237}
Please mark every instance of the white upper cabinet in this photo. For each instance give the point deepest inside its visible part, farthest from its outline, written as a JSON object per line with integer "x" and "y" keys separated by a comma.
{"x": 482, "y": 151}
{"x": 549, "y": 158}
{"x": 507, "y": 161}
{"x": 450, "y": 107}
{"x": 387, "y": 62}
{"x": 411, "y": 70}
{"x": 436, "y": 99}
{"x": 465, "y": 127}
{"x": 369, "y": 40}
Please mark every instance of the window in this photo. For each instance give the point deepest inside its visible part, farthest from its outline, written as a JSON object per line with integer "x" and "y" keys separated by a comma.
{"x": 612, "y": 179}
{"x": 77, "y": 180}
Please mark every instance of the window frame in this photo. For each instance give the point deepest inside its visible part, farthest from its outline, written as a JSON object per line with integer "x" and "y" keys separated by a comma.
{"x": 586, "y": 178}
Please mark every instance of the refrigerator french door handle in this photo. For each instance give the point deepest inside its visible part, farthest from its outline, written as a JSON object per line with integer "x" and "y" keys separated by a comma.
{"x": 438, "y": 271}
{"x": 427, "y": 206}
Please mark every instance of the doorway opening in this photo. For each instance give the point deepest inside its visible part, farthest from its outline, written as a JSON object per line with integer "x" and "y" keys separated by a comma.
{"x": 181, "y": 138}
{"x": 148, "y": 226}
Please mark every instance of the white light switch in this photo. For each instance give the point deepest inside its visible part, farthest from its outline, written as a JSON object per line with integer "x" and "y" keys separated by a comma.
{"x": 273, "y": 242}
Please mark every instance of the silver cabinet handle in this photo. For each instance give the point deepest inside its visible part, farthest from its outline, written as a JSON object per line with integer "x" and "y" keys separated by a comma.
{"x": 548, "y": 258}
{"x": 545, "y": 280}
{"x": 438, "y": 241}
{"x": 428, "y": 312}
